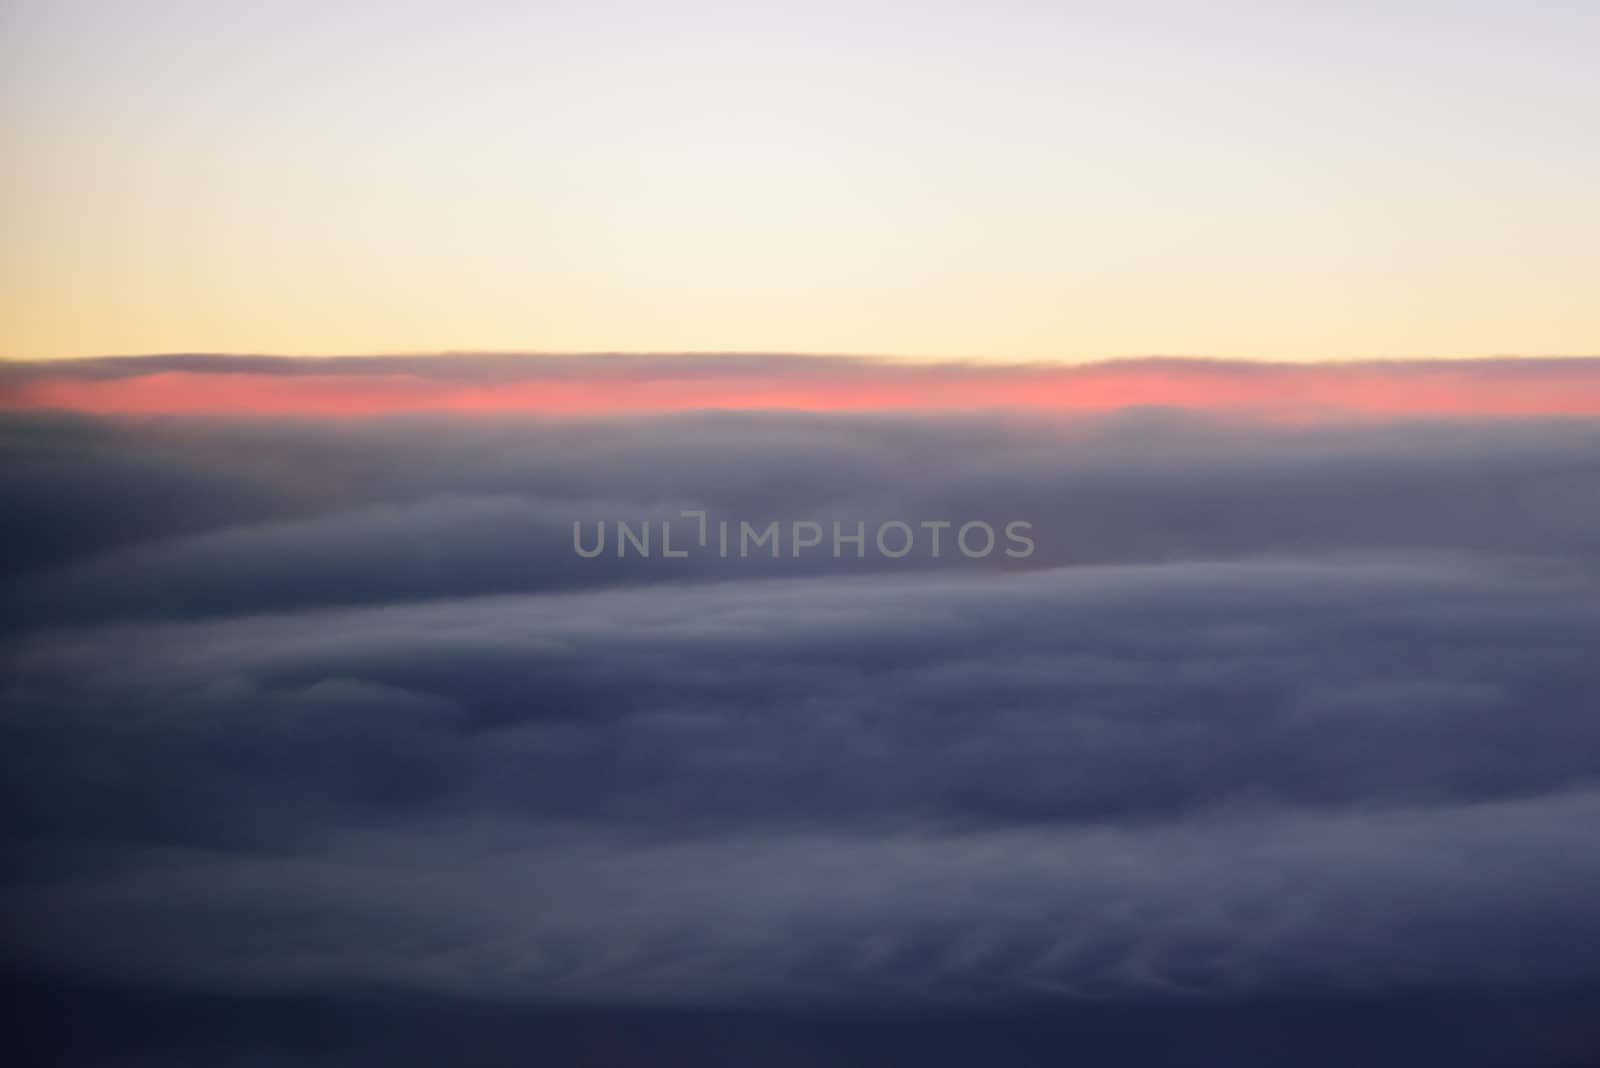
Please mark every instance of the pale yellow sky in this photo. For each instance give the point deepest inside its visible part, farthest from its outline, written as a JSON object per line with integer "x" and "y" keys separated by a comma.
{"x": 1251, "y": 180}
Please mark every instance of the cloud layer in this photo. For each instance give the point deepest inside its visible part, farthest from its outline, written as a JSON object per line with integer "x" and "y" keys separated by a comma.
{"x": 1221, "y": 779}
{"x": 315, "y": 708}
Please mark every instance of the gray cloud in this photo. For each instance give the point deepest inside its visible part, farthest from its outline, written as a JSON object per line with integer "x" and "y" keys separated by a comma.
{"x": 1213, "y": 777}
{"x": 281, "y": 515}
{"x": 308, "y": 709}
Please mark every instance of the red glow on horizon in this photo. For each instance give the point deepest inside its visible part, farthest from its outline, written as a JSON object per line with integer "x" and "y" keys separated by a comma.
{"x": 1285, "y": 390}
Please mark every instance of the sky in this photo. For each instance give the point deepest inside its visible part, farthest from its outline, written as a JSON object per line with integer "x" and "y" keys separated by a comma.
{"x": 808, "y": 535}
{"x": 1071, "y": 181}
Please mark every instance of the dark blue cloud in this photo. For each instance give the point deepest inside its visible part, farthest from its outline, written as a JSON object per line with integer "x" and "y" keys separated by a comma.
{"x": 1274, "y": 717}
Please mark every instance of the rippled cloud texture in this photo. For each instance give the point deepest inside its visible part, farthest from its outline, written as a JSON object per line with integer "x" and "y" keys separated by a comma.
{"x": 1282, "y": 746}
